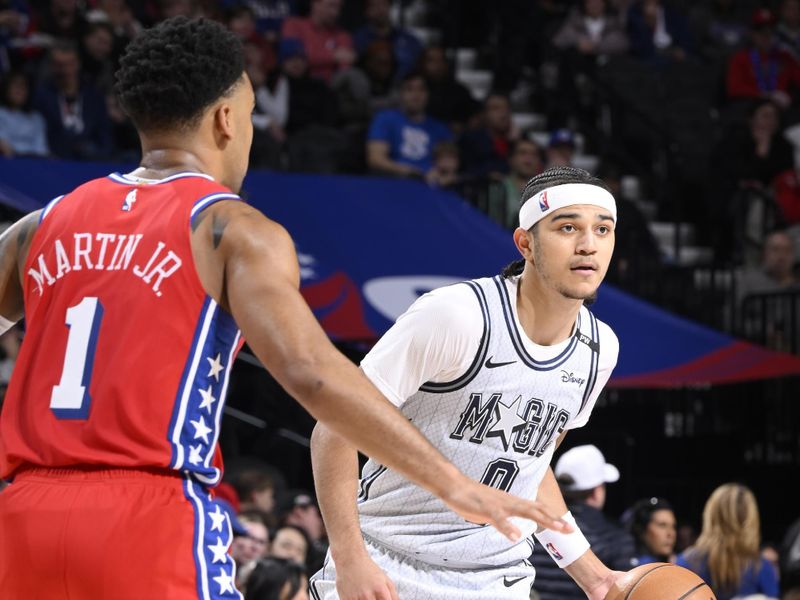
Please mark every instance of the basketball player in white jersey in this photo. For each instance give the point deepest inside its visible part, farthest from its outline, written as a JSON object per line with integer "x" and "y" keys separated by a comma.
{"x": 493, "y": 372}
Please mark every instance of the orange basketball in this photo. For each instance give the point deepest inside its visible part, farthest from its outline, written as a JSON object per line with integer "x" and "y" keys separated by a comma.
{"x": 660, "y": 581}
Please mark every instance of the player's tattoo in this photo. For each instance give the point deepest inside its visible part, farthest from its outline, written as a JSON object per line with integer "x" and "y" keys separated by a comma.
{"x": 218, "y": 225}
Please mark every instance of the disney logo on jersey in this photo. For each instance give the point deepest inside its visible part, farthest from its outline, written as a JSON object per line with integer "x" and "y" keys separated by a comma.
{"x": 527, "y": 428}
{"x": 569, "y": 377}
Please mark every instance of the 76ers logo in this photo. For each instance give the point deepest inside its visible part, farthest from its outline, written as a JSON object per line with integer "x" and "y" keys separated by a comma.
{"x": 543, "y": 204}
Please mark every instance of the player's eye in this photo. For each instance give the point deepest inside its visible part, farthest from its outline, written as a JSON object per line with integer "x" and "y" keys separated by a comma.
{"x": 567, "y": 228}
{"x": 603, "y": 229}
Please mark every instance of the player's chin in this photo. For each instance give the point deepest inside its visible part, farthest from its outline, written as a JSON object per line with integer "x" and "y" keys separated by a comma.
{"x": 585, "y": 292}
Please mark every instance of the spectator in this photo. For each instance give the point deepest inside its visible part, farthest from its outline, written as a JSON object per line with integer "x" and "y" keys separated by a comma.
{"x": 329, "y": 48}
{"x": 14, "y": 22}
{"x": 651, "y": 522}
{"x": 763, "y": 70}
{"x": 485, "y": 151}
{"x": 657, "y": 32}
{"x": 769, "y": 322}
{"x": 582, "y": 474}
{"x": 720, "y": 26}
{"x": 22, "y": 129}
{"x": 241, "y": 21}
{"x": 271, "y": 112}
{"x": 788, "y": 30}
{"x": 405, "y": 47}
{"x": 119, "y": 15}
{"x": 62, "y": 19}
{"x": 269, "y": 14}
{"x": 314, "y": 143}
{"x": 250, "y": 542}
{"x": 401, "y": 142}
{"x": 97, "y": 56}
{"x": 277, "y": 579}
{"x": 786, "y": 188}
{"x": 125, "y": 138}
{"x": 9, "y": 349}
{"x": 591, "y": 30}
{"x": 255, "y": 488}
{"x": 448, "y": 100}
{"x": 75, "y": 113}
{"x": 526, "y": 160}
{"x": 446, "y": 166}
{"x": 560, "y": 148}
{"x": 290, "y": 542}
{"x": 726, "y": 555}
{"x": 299, "y": 509}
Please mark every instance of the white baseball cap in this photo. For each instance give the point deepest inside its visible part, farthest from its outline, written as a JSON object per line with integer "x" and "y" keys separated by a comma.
{"x": 587, "y": 467}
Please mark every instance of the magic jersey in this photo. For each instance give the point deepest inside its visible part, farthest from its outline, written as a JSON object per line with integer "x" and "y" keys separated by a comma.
{"x": 126, "y": 359}
{"x": 460, "y": 367}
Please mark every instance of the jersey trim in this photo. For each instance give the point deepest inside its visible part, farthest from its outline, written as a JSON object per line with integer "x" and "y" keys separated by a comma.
{"x": 594, "y": 364}
{"x": 483, "y": 348}
{"x": 50, "y": 206}
{"x": 124, "y": 179}
{"x": 208, "y": 200}
{"x": 367, "y": 482}
{"x": 516, "y": 340}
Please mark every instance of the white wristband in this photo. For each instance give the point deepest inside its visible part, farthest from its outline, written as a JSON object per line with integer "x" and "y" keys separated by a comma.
{"x": 564, "y": 548}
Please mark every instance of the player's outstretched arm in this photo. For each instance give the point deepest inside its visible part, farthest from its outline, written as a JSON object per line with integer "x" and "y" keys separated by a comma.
{"x": 259, "y": 279}
{"x": 14, "y": 243}
{"x": 335, "y": 464}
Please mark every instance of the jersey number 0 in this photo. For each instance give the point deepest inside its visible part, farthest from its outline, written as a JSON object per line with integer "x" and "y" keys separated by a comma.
{"x": 70, "y": 398}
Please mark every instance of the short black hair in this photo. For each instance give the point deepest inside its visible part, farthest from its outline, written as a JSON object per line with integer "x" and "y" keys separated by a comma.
{"x": 171, "y": 73}
{"x": 270, "y": 576}
{"x": 547, "y": 179}
{"x": 638, "y": 517}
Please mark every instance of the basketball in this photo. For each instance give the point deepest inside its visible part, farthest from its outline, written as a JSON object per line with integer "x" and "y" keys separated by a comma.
{"x": 660, "y": 581}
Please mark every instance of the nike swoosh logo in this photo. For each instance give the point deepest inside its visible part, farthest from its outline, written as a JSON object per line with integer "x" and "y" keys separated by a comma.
{"x": 494, "y": 365}
{"x": 509, "y": 582}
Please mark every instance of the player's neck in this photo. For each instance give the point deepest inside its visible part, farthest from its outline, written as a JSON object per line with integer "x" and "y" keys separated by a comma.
{"x": 161, "y": 159}
{"x": 546, "y": 316}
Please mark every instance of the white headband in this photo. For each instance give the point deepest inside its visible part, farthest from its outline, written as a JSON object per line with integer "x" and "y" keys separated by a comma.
{"x": 548, "y": 201}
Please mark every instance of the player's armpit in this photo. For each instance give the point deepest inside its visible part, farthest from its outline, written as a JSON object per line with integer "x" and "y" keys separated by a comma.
{"x": 14, "y": 244}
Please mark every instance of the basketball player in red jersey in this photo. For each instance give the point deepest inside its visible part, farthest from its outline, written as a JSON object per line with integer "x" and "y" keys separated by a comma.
{"x": 134, "y": 290}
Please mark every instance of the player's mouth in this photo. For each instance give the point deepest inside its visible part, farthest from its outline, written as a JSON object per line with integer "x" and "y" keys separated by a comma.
{"x": 584, "y": 268}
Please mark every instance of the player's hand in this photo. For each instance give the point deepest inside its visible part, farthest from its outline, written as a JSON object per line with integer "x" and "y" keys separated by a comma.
{"x": 362, "y": 579}
{"x": 480, "y": 503}
{"x": 600, "y": 591}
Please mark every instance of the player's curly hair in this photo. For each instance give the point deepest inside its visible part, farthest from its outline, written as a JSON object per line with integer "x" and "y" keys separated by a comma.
{"x": 172, "y": 72}
{"x": 544, "y": 180}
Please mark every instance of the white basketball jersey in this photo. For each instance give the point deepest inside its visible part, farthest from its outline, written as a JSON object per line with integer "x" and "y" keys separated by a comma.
{"x": 497, "y": 422}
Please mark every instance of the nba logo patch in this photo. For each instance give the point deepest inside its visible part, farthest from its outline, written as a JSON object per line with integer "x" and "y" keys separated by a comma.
{"x": 129, "y": 200}
{"x": 553, "y": 552}
{"x": 543, "y": 205}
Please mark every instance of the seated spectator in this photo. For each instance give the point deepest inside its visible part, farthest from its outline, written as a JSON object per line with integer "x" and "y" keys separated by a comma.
{"x": 786, "y": 189}
{"x": 651, "y": 522}
{"x": 405, "y": 47}
{"x": 591, "y": 30}
{"x": 526, "y": 160}
{"x": 22, "y": 129}
{"x": 241, "y": 21}
{"x": 763, "y": 70}
{"x": 62, "y": 19}
{"x": 329, "y": 48}
{"x": 290, "y": 542}
{"x": 14, "y": 23}
{"x": 769, "y": 323}
{"x": 449, "y": 101}
{"x": 271, "y": 111}
{"x": 726, "y": 555}
{"x": 485, "y": 151}
{"x": 255, "y": 488}
{"x": 789, "y": 558}
{"x": 276, "y": 579}
{"x": 97, "y": 57}
{"x": 582, "y": 474}
{"x": 125, "y": 138}
{"x": 446, "y": 165}
{"x": 788, "y": 30}
{"x": 401, "y": 142}
{"x": 269, "y": 15}
{"x": 560, "y": 148}
{"x": 119, "y": 15}
{"x": 75, "y": 113}
{"x": 720, "y": 26}
{"x": 657, "y": 32}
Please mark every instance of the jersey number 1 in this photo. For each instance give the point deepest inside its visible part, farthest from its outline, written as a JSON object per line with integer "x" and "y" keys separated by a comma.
{"x": 70, "y": 398}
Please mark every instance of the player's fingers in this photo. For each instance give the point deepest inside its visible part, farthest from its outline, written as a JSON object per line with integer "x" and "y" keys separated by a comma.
{"x": 393, "y": 595}
{"x": 507, "y": 528}
{"x": 539, "y": 513}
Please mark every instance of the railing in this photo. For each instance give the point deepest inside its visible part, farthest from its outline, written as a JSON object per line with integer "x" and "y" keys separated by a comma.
{"x": 772, "y": 320}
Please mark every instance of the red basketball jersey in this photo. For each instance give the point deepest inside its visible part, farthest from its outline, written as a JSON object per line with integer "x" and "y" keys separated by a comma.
{"x": 126, "y": 359}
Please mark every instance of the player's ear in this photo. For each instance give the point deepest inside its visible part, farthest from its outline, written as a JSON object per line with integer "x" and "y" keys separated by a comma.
{"x": 223, "y": 122}
{"x": 523, "y": 240}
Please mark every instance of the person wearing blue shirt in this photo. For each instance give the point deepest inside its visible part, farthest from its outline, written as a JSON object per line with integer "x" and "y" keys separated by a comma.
{"x": 406, "y": 48}
{"x": 727, "y": 552}
{"x": 401, "y": 142}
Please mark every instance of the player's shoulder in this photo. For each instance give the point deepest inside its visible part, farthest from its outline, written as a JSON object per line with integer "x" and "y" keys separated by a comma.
{"x": 607, "y": 341}
{"x": 455, "y": 300}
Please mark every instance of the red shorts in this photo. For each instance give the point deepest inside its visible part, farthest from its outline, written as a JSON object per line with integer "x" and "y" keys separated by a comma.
{"x": 117, "y": 534}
